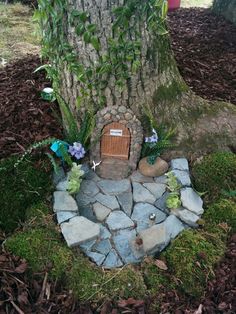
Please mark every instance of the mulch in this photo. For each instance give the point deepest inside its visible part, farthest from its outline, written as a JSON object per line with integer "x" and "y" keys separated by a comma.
{"x": 205, "y": 49}
{"x": 35, "y": 293}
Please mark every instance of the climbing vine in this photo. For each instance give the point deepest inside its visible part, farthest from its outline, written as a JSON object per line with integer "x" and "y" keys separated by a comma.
{"x": 123, "y": 56}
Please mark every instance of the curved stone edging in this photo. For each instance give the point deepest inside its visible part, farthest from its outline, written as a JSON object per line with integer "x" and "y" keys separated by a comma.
{"x": 110, "y": 220}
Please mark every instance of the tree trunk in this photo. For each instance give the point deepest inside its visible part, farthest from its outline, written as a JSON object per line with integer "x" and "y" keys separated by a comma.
{"x": 227, "y": 8}
{"x": 156, "y": 83}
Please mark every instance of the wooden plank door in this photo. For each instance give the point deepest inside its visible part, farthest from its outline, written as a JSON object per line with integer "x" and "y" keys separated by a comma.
{"x": 115, "y": 141}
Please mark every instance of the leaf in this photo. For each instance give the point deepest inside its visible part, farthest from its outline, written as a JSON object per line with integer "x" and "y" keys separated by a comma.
{"x": 87, "y": 37}
{"x": 130, "y": 301}
{"x": 95, "y": 43}
{"x": 160, "y": 264}
{"x": 21, "y": 268}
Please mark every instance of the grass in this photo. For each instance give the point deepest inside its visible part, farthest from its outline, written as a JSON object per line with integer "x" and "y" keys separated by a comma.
{"x": 196, "y": 3}
{"x": 17, "y": 32}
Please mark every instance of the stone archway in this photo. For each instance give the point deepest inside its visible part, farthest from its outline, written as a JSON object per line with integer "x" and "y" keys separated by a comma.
{"x": 117, "y": 115}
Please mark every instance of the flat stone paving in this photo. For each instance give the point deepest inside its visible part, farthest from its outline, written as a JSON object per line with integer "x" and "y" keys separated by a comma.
{"x": 110, "y": 219}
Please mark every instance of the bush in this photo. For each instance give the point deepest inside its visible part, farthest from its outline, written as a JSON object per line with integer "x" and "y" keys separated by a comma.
{"x": 215, "y": 174}
{"x": 20, "y": 187}
{"x": 222, "y": 211}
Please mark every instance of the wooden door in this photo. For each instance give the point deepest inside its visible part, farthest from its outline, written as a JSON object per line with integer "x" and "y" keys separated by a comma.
{"x": 115, "y": 141}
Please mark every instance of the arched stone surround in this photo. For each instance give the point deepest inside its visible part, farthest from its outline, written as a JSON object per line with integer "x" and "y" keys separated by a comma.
{"x": 126, "y": 117}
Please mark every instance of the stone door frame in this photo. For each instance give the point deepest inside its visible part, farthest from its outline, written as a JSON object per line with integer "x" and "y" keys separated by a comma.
{"x": 126, "y": 117}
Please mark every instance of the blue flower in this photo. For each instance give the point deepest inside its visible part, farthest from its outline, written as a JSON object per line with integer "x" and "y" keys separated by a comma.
{"x": 76, "y": 150}
{"x": 153, "y": 138}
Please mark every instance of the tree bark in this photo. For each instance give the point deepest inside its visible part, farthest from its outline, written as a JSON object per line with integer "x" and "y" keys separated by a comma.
{"x": 200, "y": 125}
{"x": 227, "y": 8}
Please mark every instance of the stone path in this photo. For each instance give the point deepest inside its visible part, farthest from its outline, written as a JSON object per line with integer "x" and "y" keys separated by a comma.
{"x": 115, "y": 222}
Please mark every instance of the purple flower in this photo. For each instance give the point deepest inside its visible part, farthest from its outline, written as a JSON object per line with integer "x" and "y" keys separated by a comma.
{"x": 153, "y": 138}
{"x": 76, "y": 150}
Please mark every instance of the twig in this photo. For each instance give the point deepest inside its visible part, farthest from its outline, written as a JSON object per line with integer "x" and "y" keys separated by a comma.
{"x": 40, "y": 298}
{"x": 17, "y": 308}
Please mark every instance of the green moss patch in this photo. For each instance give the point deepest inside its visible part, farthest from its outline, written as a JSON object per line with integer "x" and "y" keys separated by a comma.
{"x": 170, "y": 93}
{"x": 215, "y": 173}
{"x": 21, "y": 187}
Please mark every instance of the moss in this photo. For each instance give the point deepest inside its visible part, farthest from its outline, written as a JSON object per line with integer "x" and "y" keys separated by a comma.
{"x": 215, "y": 173}
{"x": 37, "y": 211}
{"x": 42, "y": 249}
{"x": 21, "y": 187}
{"x": 191, "y": 258}
{"x": 222, "y": 211}
{"x": 169, "y": 93}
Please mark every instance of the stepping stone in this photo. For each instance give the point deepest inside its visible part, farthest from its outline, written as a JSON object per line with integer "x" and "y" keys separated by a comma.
{"x": 62, "y": 185}
{"x": 79, "y": 230}
{"x": 161, "y": 179}
{"x": 63, "y": 201}
{"x": 84, "y": 199}
{"x": 112, "y": 260}
{"x": 173, "y": 226}
{"x": 89, "y": 187}
{"x": 87, "y": 212}
{"x": 64, "y": 216}
{"x": 126, "y": 202}
{"x": 119, "y": 220}
{"x": 102, "y": 247}
{"x": 58, "y": 176}
{"x": 186, "y": 216}
{"x": 191, "y": 201}
{"x": 122, "y": 244}
{"x": 141, "y": 214}
{"x": 179, "y": 164}
{"x": 101, "y": 211}
{"x": 96, "y": 257}
{"x": 86, "y": 246}
{"x": 154, "y": 238}
{"x": 138, "y": 177}
{"x": 109, "y": 201}
{"x": 183, "y": 177}
{"x": 157, "y": 189}
{"x": 104, "y": 232}
{"x": 113, "y": 187}
{"x": 161, "y": 202}
{"x": 91, "y": 175}
{"x": 141, "y": 194}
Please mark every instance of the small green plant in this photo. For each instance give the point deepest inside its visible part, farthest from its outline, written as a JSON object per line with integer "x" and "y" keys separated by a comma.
{"x": 172, "y": 182}
{"x": 158, "y": 142}
{"x": 173, "y": 199}
{"x": 75, "y": 178}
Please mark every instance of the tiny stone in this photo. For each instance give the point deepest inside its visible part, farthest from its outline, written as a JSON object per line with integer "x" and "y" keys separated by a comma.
{"x": 183, "y": 177}
{"x": 161, "y": 202}
{"x": 126, "y": 202}
{"x": 179, "y": 164}
{"x": 112, "y": 260}
{"x": 62, "y": 185}
{"x": 122, "y": 109}
{"x": 186, "y": 216}
{"x": 109, "y": 201}
{"x": 84, "y": 200}
{"x": 104, "y": 232}
{"x": 87, "y": 212}
{"x": 89, "y": 187}
{"x": 114, "y": 187}
{"x": 138, "y": 177}
{"x": 58, "y": 176}
{"x": 141, "y": 194}
{"x": 102, "y": 247}
{"x": 64, "y": 216}
{"x": 96, "y": 257}
{"x": 63, "y": 201}
{"x": 101, "y": 211}
{"x": 157, "y": 189}
{"x": 107, "y": 116}
{"x": 161, "y": 179}
{"x": 86, "y": 246}
{"x": 191, "y": 200}
{"x": 128, "y": 116}
{"x": 173, "y": 226}
{"x": 119, "y": 220}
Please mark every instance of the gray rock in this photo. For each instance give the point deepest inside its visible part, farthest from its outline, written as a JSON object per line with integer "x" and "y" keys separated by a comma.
{"x": 114, "y": 187}
{"x": 96, "y": 257}
{"x": 87, "y": 212}
{"x": 112, "y": 260}
{"x": 84, "y": 199}
{"x": 104, "y": 232}
{"x": 89, "y": 188}
{"x": 64, "y": 216}
{"x": 141, "y": 214}
{"x": 183, "y": 177}
{"x": 191, "y": 200}
{"x": 186, "y": 216}
{"x": 173, "y": 226}
{"x": 102, "y": 247}
{"x": 161, "y": 179}
{"x": 79, "y": 230}
{"x": 141, "y": 194}
{"x": 119, "y": 220}
{"x": 126, "y": 202}
{"x": 63, "y": 201}
{"x": 179, "y": 164}
{"x": 101, "y": 211}
{"x": 161, "y": 202}
{"x": 154, "y": 238}
{"x": 122, "y": 244}
{"x": 137, "y": 249}
{"x": 109, "y": 201}
{"x": 62, "y": 185}
{"x": 91, "y": 175}
{"x": 86, "y": 246}
{"x": 138, "y": 177}
{"x": 58, "y": 176}
{"x": 157, "y": 189}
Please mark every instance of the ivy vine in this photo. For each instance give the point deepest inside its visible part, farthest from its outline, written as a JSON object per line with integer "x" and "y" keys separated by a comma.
{"x": 123, "y": 56}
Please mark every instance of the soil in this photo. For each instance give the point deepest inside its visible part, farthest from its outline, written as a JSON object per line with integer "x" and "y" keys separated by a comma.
{"x": 204, "y": 45}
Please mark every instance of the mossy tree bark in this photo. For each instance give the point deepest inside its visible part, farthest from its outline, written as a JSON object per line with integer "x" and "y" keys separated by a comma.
{"x": 200, "y": 125}
{"x": 227, "y": 8}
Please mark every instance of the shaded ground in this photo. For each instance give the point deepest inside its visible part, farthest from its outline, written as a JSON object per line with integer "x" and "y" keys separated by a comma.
{"x": 25, "y": 117}
{"x": 19, "y": 292}
{"x": 205, "y": 49}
